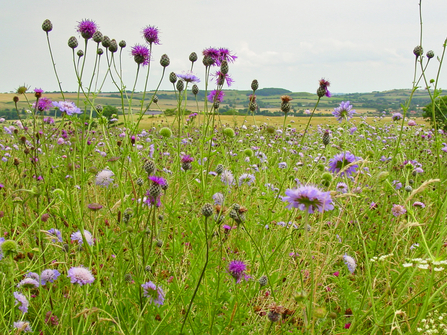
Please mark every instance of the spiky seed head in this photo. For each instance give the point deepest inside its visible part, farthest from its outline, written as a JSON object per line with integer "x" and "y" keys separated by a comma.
{"x": 149, "y": 166}
{"x": 180, "y": 85}
{"x": 10, "y": 247}
{"x": 164, "y": 60}
{"x": 122, "y": 44}
{"x": 97, "y": 36}
{"x": 430, "y": 54}
{"x": 418, "y": 51}
{"x": 113, "y": 46}
{"x": 285, "y": 107}
{"x": 195, "y": 89}
{"x": 263, "y": 281}
{"x": 166, "y": 132}
{"x": 193, "y": 57}
{"x": 106, "y": 41}
{"x": 47, "y": 26}
{"x": 321, "y": 92}
{"x": 224, "y": 67}
{"x": 219, "y": 168}
{"x": 252, "y": 106}
{"x": 73, "y": 42}
{"x": 229, "y": 132}
{"x": 172, "y": 77}
{"x": 326, "y": 137}
{"x": 254, "y": 85}
{"x": 100, "y": 51}
{"x": 207, "y": 210}
{"x": 80, "y": 53}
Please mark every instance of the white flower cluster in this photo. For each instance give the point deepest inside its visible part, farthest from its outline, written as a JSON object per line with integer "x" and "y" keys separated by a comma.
{"x": 380, "y": 259}
{"x": 424, "y": 264}
{"x": 433, "y": 324}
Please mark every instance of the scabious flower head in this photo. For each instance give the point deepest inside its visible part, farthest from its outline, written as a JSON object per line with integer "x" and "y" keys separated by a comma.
{"x": 67, "y": 107}
{"x": 104, "y": 178}
{"x": 55, "y": 234}
{"x": 227, "y": 178}
{"x": 308, "y": 198}
{"x": 344, "y": 111}
{"x": 398, "y": 210}
{"x": 342, "y": 187}
{"x": 32, "y": 275}
{"x": 397, "y": 117}
{"x": 188, "y": 77}
{"x": 236, "y": 269}
{"x": 21, "y": 299}
{"x": 87, "y": 28}
{"x": 23, "y": 326}
{"x": 419, "y": 204}
{"x": 28, "y": 283}
{"x": 340, "y": 161}
{"x": 44, "y": 104}
{"x": 350, "y": 263}
{"x": 247, "y": 179}
{"x": 218, "y": 198}
{"x": 216, "y": 95}
{"x": 150, "y": 34}
{"x": 141, "y": 54}
{"x": 77, "y": 236}
{"x": 154, "y": 293}
{"x": 80, "y": 275}
{"x": 49, "y": 276}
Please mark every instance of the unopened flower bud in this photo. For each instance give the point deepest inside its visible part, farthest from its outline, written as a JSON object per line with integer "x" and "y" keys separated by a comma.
{"x": 172, "y": 77}
{"x": 155, "y": 99}
{"x": 122, "y": 44}
{"x": 97, "y": 36}
{"x": 15, "y": 99}
{"x": 164, "y": 60}
{"x": 47, "y": 25}
{"x": 254, "y": 85}
{"x": 208, "y": 61}
{"x": 73, "y": 42}
{"x": 80, "y": 53}
{"x": 105, "y": 41}
{"x": 180, "y": 85}
{"x": 100, "y": 51}
{"x": 113, "y": 46}
{"x": 321, "y": 92}
{"x": 224, "y": 67}
{"x": 195, "y": 89}
{"x": 430, "y": 54}
{"x": 207, "y": 210}
{"x": 418, "y": 51}
{"x": 193, "y": 57}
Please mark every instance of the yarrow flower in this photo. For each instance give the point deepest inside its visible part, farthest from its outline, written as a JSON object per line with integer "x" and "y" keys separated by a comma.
{"x": 21, "y": 299}
{"x": 49, "y": 276}
{"x": 398, "y": 210}
{"x": 104, "y": 178}
{"x": 216, "y": 95}
{"x": 350, "y": 263}
{"x": 344, "y": 111}
{"x": 188, "y": 77}
{"x": 77, "y": 236}
{"x": 87, "y": 28}
{"x": 150, "y": 34}
{"x": 67, "y": 107}
{"x": 154, "y": 293}
{"x": 80, "y": 275}
{"x": 141, "y": 54}
{"x": 340, "y": 161}
{"x": 236, "y": 269}
{"x": 308, "y": 198}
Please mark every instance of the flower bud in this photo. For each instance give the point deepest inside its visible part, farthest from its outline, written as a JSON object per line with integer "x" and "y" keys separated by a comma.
{"x": 193, "y": 57}
{"x": 97, "y": 36}
{"x": 122, "y": 44}
{"x": 195, "y": 89}
{"x": 207, "y": 210}
{"x": 80, "y": 53}
{"x": 73, "y": 42}
{"x": 172, "y": 77}
{"x": 430, "y": 54}
{"x": 100, "y": 51}
{"x": 105, "y": 41}
{"x": 164, "y": 60}
{"x": 224, "y": 67}
{"x": 180, "y": 85}
{"x": 254, "y": 85}
{"x": 47, "y": 25}
{"x": 418, "y": 51}
{"x": 113, "y": 46}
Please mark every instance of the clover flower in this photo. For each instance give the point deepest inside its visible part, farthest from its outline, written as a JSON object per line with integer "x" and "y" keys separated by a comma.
{"x": 216, "y": 95}
{"x": 49, "y": 276}
{"x": 21, "y": 299}
{"x": 141, "y": 54}
{"x": 104, "y": 178}
{"x": 87, "y": 28}
{"x": 68, "y": 107}
{"x": 188, "y": 77}
{"x": 308, "y": 198}
{"x": 340, "y": 161}
{"x": 77, "y": 236}
{"x": 344, "y": 111}
{"x": 154, "y": 293}
{"x": 350, "y": 263}
{"x": 80, "y": 275}
{"x": 236, "y": 269}
{"x": 150, "y": 34}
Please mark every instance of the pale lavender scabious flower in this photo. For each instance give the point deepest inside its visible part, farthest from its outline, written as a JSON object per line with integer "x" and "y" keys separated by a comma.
{"x": 154, "y": 293}
{"x": 344, "y": 111}
{"x": 340, "y": 161}
{"x": 218, "y": 198}
{"x": 77, "y": 236}
{"x": 33, "y": 275}
{"x": 397, "y": 117}
{"x": 398, "y": 210}
{"x": 141, "y": 54}
{"x": 236, "y": 269}
{"x": 104, "y": 178}
{"x": 419, "y": 204}
{"x": 188, "y": 77}
{"x": 308, "y": 198}
{"x": 23, "y": 326}
{"x": 67, "y": 107}
{"x": 56, "y": 234}
{"x": 28, "y": 283}
{"x": 1, "y": 251}
{"x": 21, "y": 299}
{"x": 282, "y": 165}
{"x": 227, "y": 178}
{"x": 247, "y": 179}
{"x": 87, "y": 28}
{"x": 350, "y": 263}
{"x": 80, "y": 275}
{"x": 397, "y": 184}
{"x": 44, "y": 104}
{"x": 49, "y": 276}
{"x": 216, "y": 95}
{"x": 150, "y": 34}
{"x": 342, "y": 187}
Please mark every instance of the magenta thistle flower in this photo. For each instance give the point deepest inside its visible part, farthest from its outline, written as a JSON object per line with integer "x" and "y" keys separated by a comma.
{"x": 324, "y": 84}
{"x": 80, "y": 275}
{"x": 398, "y": 210}
{"x": 350, "y": 263}
{"x": 213, "y": 53}
{"x": 141, "y": 54}
{"x": 68, "y": 107}
{"x": 340, "y": 161}
{"x": 49, "y": 276}
{"x": 44, "y": 104}
{"x": 187, "y": 159}
{"x": 154, "y": 293}
{"x": 188, "y": 77}
{"x": 344, "y": 111}
{"x": 236, "y": 269}
{"x": 216, "y": 95}
{"x": 150, "y": 34}
{"x": 87, "y": 28}
{"x": 158, "y": 180}
{"x": 308, "y": 198}
{"x": 21, "y": 299}
{"x": 222, "y": 78}
{"x": 224, "y": 54}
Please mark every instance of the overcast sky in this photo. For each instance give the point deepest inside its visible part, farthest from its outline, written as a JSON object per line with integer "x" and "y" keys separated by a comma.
{"x": 358, "y": 45}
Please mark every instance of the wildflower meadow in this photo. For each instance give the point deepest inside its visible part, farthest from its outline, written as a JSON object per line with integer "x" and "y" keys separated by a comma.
{"x": 197, "y": 226}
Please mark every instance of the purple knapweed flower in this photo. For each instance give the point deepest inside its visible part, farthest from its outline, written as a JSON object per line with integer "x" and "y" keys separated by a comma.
{"x": 398, "y": 210}
{"x": 141, "y": 54}
{"x": 158, "y": 180}
{"x": 308, "y": 198}
{"x": 340, "y": 161}
{"x": 38, "y": 92}
{"x": 216, "y": 95}
{"x": 44, "y": 104}
{"x": 188, "y": 77}
{"x": 68, "y": 107}
{"x": 212, "y": 53}
{"x": 80, "y": 275}
{"x": 104, "y": 178}
{"x": 150, "y": 34}
{"x": 49, "y": 276}
{"x": 324, "y": 84}
{"x": 236, "y": 269}
{"x": 77, "y": 236}
{"x": 187, "y": 159}
{"x": 225, "y": 54}
{"x": 350, "y": 263}
{"x": 21, "y": 299}
{"x": 154, "y": 293}
{"x": 222, "y": 78}
{"x": 344, "y": 111}
{"x": 87, "y": 28}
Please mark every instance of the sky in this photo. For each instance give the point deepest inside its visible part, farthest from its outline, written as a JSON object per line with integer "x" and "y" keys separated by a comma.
{"x": 357, "y": 45}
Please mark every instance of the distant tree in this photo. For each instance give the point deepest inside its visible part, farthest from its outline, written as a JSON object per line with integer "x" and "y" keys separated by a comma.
{"x": 440, "y": 108}
{"x": 108, "y": 111}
